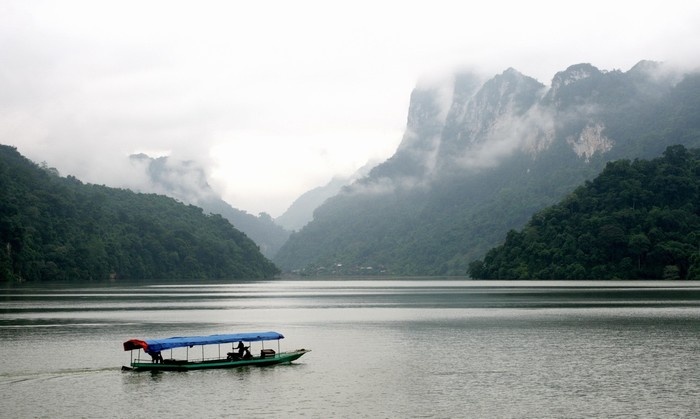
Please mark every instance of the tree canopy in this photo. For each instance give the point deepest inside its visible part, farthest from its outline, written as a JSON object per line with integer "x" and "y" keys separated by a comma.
{"x": 54, "y": 228}
{"x": 637, "y": 220}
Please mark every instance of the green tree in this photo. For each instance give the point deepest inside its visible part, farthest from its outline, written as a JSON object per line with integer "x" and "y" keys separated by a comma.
{"x": 602, "y": 231}
{"x": 54, "y": 228}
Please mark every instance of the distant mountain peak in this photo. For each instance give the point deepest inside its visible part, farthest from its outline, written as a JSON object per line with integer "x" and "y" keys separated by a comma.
{"x": 573, "y": 74}
{"x": 478, "y": 119}
{"x": 511, "y": 91}
{"x": 510, "y": 112}
{"x": 184, "y": 180}
{"x": 646, "y": 66}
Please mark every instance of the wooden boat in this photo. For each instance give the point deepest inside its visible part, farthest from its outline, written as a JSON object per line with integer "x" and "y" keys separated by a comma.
{"x": 239, "y": 356}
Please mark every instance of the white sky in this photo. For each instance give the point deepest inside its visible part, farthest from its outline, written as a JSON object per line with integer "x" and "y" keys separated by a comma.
{"x": 276, "y": 97}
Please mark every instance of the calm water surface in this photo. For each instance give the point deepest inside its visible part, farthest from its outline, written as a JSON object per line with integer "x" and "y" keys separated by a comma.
{"x": 380, "y": 348}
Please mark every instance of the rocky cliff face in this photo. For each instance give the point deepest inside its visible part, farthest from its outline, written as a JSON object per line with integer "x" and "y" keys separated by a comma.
{"x": 512, "y": 112}
{"x": 490, "y": 123}
{"x": 483, "y": 157}
{"x": 589, "y": 142}
{"x": 415, "y": 156}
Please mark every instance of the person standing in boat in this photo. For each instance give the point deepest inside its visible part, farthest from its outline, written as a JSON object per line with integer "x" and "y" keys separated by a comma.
{"x": 156, "y": 357}
{"x": 243, "y": 351}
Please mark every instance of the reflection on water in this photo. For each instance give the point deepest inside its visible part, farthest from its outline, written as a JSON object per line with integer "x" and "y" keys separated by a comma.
{"x": 381, "y": 348}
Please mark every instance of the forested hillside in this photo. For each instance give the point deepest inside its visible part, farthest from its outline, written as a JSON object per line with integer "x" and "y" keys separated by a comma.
{"x": 186, "y": 181}
{"x": 55, "y": 229}
{"x": 637, "y": 220}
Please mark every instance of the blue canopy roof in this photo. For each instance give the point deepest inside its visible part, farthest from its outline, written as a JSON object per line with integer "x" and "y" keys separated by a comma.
{"x": 157, "y": 345}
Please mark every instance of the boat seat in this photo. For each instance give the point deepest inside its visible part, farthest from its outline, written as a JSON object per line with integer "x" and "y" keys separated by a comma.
{"x": 264, "y": 353}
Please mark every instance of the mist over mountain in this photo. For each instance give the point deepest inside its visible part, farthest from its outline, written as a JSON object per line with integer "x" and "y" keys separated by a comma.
{"x": 302, "y": 209}
{"x": 479, "y": 157}
{"x": 186, "y": 181}
{"x": 55, "y": 228}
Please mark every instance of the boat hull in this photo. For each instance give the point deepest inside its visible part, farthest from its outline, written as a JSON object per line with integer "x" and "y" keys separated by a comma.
{"x": 174, "y": 365}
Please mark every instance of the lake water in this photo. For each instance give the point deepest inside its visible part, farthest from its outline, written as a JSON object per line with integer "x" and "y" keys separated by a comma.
{"x": 380, "y": 348}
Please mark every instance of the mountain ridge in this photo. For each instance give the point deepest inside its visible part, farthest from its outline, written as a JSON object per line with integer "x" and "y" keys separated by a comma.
{"x": 58, "y": 229}
{"x": 457, "y": 184}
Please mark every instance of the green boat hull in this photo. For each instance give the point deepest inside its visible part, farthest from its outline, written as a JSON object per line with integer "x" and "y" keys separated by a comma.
{"x": 175, "y": 365}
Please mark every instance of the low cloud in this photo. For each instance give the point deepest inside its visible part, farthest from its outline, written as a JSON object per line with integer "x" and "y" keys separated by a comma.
{"x": 532, "y": 132}
{"x": 85, "y": 84}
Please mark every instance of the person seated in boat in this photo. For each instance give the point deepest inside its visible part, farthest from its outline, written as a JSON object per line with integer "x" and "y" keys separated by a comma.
{"x": 243, "y": 351}
{"x": 156, "y": 357}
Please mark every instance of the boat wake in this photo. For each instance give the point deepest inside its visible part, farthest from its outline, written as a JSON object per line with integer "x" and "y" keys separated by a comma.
{"x": 23, "y": 377}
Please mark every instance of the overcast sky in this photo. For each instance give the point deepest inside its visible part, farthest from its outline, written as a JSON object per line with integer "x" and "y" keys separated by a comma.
{"x": 276, "y": 97}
